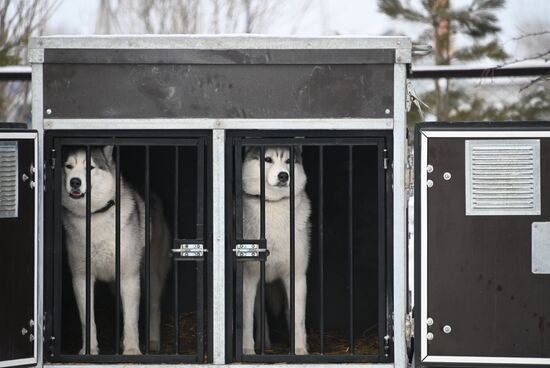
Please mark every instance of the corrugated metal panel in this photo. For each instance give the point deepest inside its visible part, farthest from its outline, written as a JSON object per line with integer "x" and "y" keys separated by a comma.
{"x": 8, "y": 179}
{"x": 503, "y": 177}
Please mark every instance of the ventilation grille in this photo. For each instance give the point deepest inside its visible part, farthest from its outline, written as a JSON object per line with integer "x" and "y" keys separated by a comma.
{"x": 8, "y": 179}
{"x": 503, "y": 177}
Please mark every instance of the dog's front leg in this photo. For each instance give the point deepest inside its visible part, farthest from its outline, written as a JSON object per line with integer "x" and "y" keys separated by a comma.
{"x": 79, "y": 286}
{"x": 300, "y": 294}
{"x": 251, "y": 276}
{"x": 130, "y": 292}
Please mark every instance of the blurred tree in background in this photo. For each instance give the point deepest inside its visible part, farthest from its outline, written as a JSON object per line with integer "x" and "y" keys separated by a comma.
{"x": 457, "y": 34}
{"x": 19, "y": 19}
{"x": 191, "y": 16}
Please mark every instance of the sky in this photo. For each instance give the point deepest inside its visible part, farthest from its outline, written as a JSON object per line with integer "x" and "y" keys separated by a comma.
{"x": 329, "y": 17}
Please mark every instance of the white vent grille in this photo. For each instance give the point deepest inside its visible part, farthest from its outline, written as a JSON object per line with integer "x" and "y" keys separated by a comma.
{"x": 503, "y": 177}
{"x": 8, "y": 179}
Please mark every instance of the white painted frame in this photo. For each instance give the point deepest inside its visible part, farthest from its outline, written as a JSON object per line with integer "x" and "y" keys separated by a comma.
{"x": 426, "y": 135}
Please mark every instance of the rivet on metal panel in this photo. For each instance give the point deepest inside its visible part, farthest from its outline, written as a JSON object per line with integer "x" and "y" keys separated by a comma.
{"x": 430, "y": 183}
{"x": 447, "y": 176}
{"x": 24, "y": 177}
{"x": 447, "y": 329}
{"x": 32, "y": 185}
{"x": 48, "y": 111}
{"x": 430, "y": 321}
{"x": 31, "y": 338}
{"x": 24, "y": 331}
{"x": 429, "y": 168}
{"x": 31, "y": 323}
{"x": 387, "y": 111}
{"x": 429, "y": 336}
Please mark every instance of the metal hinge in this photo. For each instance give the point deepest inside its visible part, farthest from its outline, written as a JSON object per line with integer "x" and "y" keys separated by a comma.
{"x": 189, "y": 249}
{"x": 52, "y": 159}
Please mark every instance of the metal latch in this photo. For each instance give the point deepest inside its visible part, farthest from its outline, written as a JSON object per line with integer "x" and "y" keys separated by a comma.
{"x": 189, "y": 249}
{"x": 251, "y": 249}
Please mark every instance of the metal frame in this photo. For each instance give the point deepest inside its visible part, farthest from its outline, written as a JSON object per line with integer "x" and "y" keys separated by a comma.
{"x": 397, "y": 202}
{"x": 55, "y": 140}
{"x": 318, "y": 138}
{"x": 37, "y": 302}
{"x": 434, "y": 130}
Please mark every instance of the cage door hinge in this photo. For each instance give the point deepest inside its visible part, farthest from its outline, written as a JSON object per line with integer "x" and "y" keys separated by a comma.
{"x": 188, "y": 248}
{"x": 251, "y": 249}
{"x": 52, "y": 159}
{"x": 386, "y": 160}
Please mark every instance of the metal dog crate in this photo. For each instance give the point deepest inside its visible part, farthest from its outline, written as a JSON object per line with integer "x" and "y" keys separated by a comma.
{"x": 342, "y": 100}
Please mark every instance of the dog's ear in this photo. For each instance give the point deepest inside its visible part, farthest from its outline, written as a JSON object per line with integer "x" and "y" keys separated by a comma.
{"x": 108, "y": 152}
{"x": 251, "y": 152}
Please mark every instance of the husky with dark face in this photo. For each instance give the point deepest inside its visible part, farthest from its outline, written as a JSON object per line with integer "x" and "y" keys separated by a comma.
{"x": 132, "y": 240}
{"x": 277, "y": 225}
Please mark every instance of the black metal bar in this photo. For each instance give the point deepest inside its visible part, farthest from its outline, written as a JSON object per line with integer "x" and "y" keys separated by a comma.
{"x": 200, "y": 190}
{"x": 117, "y": 251}
{"x": 320, "y": 239}
{"x": 311, "y": 358}
{"x": 134, "y": 141}
{"x": 147, "y": 249}
{"x": 151, "y": 358}
{"x": 88, "y": 247}
{"x": 176, "y": 310}
{"x": 262, "y": 263}
{"x": 176, "y": 236}
{"x": 316, "y": 141}
{"x": 7, "y": 75}
{"x": 238, "y": 235}
{"x": 381, "y": 252}
{"x": 496, "y": 71}
{"x": 200, "y": 264}
{"x": 350, "y": 250}
{"x": 292, "y": 302}
{"x": 58, "y": 251}
{"x": 200, "y": 310}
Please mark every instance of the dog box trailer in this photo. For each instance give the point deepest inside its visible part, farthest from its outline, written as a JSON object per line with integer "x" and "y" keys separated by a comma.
{"x": 181, "y": 113}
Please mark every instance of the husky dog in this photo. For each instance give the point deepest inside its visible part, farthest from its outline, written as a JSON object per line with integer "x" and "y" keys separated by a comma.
{"x": 277, "y": 225}
{"x": 132, "y": 240}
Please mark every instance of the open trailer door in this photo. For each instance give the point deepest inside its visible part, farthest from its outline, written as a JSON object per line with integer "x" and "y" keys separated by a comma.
{"x": 482, "y": 241}
{"x": 18, "y": 239}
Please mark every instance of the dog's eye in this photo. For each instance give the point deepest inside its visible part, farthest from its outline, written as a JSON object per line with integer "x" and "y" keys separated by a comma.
{"x": 287, "y": 161}
{"x": 268, "y": 160}
{"x": 70, "y": 167}
{"x": 92, "y": 167}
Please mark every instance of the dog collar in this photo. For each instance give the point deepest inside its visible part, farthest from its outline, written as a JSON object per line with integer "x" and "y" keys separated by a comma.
{"x": 105, "y": 208}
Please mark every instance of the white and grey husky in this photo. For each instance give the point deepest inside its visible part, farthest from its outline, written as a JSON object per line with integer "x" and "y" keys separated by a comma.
{"x": 277, "y": 226}
{"x": 132, "y": 235}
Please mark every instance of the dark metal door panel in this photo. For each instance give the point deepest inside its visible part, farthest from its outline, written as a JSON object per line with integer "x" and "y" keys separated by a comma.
{"x": 17, "y": 253}
{"x": 474, "y": 272}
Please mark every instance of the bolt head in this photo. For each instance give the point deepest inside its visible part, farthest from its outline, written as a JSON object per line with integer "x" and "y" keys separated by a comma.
{"x": 430, "y": 169}
{"x": 430, "y": 321}
{"x": 447, "y": 329}
{"x": 430, "y": 336}
{"x": 430, "y": 183}
{"x": 447, "y": 176}
{"x": 387, "y": 111}
{"x": 48, "y": 111}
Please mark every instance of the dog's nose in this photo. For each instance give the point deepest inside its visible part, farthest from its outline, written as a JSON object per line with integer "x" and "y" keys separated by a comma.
{"x": 75, "y": 183}
{"x": 283, "y": 177}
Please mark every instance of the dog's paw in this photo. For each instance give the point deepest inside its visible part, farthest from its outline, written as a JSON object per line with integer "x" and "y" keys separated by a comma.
{"x": 154, "y": 345}
{"x": 301, "y": 351}
{"x": 93, "y": 350}
{"x": 248, "y": 351}
{"x": 132, "y": 351}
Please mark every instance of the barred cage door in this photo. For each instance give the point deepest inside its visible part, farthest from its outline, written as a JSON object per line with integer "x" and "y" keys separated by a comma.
{"x": 159, "y": 196}
{"x": 308, "y": 219}
{"x": 18, "y": 246}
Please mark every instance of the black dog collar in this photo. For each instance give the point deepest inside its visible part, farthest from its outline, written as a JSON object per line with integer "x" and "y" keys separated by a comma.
{"x": 105, "y": 208}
